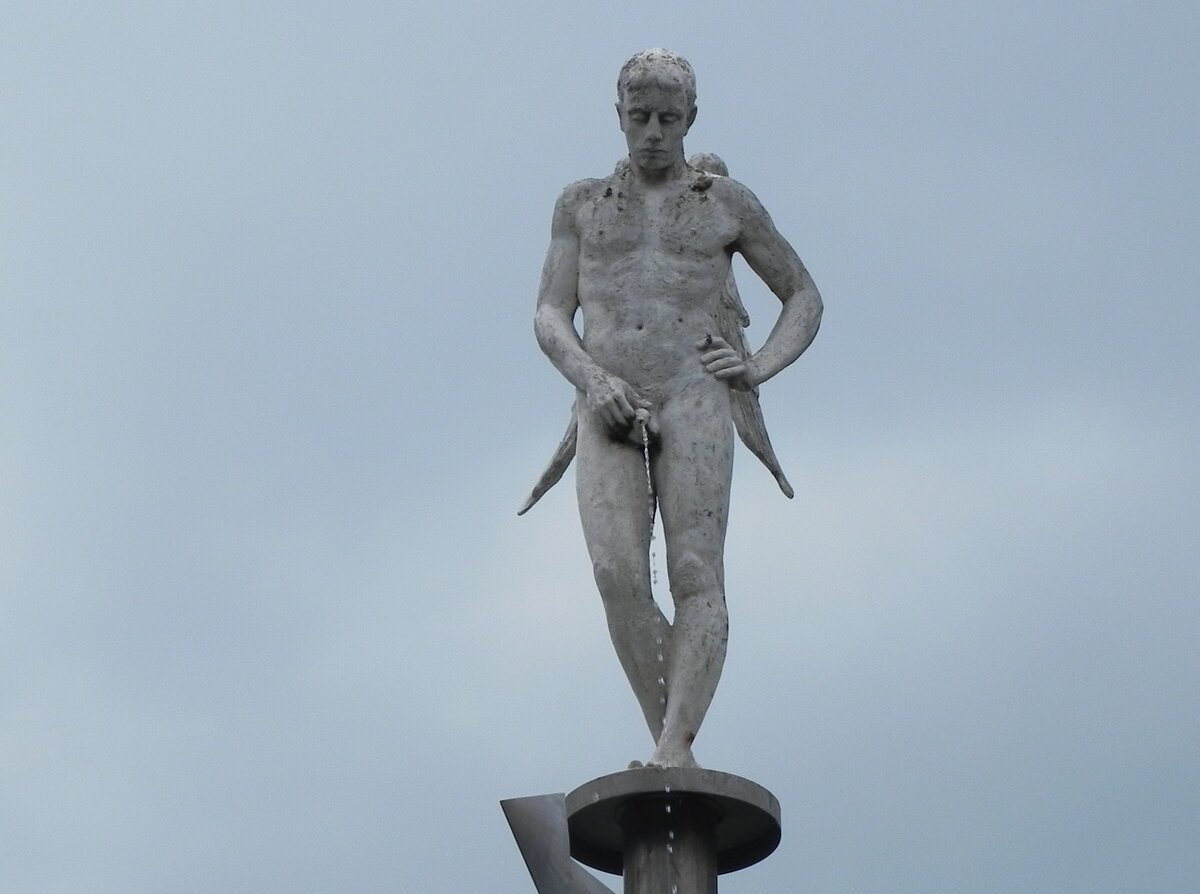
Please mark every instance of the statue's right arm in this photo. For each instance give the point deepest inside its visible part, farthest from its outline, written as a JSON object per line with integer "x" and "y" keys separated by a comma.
{"x": 554, "y": 321}
{"x": 558, "y": 297}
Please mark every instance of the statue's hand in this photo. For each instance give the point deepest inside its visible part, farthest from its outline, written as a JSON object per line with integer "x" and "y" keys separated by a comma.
{"x": 726, "y": 364}
{"x": 617, "y": 405}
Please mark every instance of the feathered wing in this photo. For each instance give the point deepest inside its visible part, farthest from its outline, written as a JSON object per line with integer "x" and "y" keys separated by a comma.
{"x": 558, "y": 464}
{"x": 732, "y": 319}
{"x": 744, "y": 405}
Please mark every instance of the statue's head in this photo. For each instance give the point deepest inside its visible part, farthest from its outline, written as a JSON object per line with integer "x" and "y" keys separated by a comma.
{"x": 656, "y": 105}
{"x": 658, "y": 67}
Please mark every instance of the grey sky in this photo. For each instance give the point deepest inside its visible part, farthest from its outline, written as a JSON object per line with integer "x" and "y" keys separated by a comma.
{"x": 271, "y": 399}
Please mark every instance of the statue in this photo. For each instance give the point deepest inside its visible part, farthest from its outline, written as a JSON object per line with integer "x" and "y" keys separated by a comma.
{"x": 660, "y": 372}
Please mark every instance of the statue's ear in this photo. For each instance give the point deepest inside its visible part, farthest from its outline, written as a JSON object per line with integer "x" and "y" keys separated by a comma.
{"x": 692, "y": 116}
{"x": 620, "y": 117}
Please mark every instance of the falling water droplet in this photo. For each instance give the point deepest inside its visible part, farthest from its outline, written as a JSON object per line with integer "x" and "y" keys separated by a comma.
{"x": 643, "y": 418}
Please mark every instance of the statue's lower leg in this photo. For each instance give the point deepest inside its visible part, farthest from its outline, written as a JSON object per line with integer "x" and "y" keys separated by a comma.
{"x": 642, "y": 637}
{"x": 699, "y": 640}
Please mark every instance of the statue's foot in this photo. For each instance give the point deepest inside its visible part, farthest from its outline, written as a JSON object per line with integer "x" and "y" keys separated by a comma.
{"x": 665, "y": 756}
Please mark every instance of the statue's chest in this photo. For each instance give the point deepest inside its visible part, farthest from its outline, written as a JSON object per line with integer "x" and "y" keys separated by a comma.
{"x": 686, "y": 224}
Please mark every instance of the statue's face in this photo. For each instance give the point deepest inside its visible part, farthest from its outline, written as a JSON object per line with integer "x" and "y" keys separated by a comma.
{"x": 655, "y": 120}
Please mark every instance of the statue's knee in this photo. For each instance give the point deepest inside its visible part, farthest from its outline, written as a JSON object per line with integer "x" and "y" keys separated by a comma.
{"x": 614, "y": 580}
{"x": 692, "y": 576}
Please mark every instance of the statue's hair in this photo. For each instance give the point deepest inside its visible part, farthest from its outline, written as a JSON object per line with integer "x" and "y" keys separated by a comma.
{"x": 658, "y": 66}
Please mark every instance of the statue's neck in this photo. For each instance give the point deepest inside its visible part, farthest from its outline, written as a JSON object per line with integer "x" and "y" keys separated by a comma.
{"x": 652, "y": 177}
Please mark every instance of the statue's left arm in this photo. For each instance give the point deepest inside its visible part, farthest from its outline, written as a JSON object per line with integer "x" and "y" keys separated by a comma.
{"x": 777, "y": 264}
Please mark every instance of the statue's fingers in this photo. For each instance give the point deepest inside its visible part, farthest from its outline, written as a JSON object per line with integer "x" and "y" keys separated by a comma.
{"x": 713, "y": 356}
{"x": 623, "y": 407}
{"x": 725, "y": 361}
{"x": 613, "y": 414}
{"x": 730, "y": 372}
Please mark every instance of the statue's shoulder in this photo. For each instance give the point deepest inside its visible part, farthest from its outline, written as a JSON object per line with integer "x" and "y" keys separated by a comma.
{"x": 741, "y": 204}
{"x": 710, "y": 175}
{"x": 575, "y": 194}
{"x": 576, "y": 198}
{"x": 731, "y": 192}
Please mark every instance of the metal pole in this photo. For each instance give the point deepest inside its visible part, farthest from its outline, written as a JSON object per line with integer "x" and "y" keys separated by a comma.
{"x": 670, "y": 846}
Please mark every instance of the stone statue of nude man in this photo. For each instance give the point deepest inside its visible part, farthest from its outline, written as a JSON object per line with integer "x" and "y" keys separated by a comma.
{"x": 645, "y": 255}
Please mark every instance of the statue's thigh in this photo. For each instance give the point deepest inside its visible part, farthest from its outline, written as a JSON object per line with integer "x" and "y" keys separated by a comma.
{"x": 614, "y": 498}
{"x": 693, "y": 472}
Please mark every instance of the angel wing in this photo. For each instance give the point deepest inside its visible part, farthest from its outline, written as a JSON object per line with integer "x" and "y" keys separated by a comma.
{"x": 732, "y": 319}
{"x": 558, "y": 464}
{"x": 744, "y": 405}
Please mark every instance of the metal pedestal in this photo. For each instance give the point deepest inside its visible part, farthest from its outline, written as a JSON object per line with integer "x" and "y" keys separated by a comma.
{"x": 666, "y": 830}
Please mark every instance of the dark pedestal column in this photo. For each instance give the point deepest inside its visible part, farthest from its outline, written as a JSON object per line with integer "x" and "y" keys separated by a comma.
{"x": 672, "y": 830}
{"x": 670, "y": 845}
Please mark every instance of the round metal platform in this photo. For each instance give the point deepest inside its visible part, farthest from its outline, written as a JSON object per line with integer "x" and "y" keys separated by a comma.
{"x": 745, "y": 815}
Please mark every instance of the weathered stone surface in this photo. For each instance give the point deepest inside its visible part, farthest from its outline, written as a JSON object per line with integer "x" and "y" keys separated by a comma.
{"x": 644, "y": 253}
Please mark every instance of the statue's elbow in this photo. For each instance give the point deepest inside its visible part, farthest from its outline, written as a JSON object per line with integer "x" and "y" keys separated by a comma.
{"x": 540, "y": 327}
{"x": 545, "y": 328}
{"x": 808, "y": 305}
